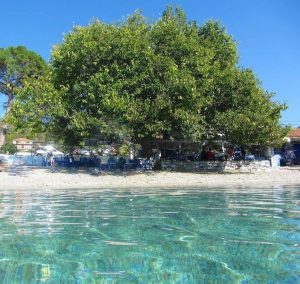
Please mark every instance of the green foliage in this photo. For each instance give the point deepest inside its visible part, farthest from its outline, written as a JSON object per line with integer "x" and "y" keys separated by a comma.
{"x": 8, "y": 148}
{"x": 16, "y": 65}
{"x": 140, "y": 81}
{"x": 220, "y": 44}
{"x": 136, "y": 74}
{"x": 244, "y": 113}
{"x": 37, "y": 106}
{"x": 124, "y": 149}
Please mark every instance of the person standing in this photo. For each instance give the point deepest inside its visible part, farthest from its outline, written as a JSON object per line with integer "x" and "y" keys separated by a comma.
{"x": 48, "y": 159}
{"x": 243, "y": 152}
{"x": 203, "y": 154}
{"x": 210, "y": 155}
{"x": 52, "y": 161}
{"x": 229, "y": 153}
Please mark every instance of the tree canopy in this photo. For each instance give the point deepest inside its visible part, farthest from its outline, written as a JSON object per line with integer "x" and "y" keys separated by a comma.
{"x": 149, "y": 80}
{"x": 16, "y": 65}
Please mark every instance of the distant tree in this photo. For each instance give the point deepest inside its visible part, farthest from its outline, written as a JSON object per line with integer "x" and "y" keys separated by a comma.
{"x": 8, "y": 148}
{"x": 16, "y": 65}
{"x": 146, "y": 81}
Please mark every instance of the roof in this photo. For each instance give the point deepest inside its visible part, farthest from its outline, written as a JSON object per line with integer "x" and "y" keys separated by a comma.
{"x": 294, "y": 133}
{"x": 23, "y": 140}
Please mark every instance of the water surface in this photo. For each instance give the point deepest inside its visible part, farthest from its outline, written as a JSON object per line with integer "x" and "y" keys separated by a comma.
{"x": 151, "y": 236}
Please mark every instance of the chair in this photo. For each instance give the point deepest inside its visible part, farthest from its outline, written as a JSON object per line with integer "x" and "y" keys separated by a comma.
{"x": 112, "y": 163}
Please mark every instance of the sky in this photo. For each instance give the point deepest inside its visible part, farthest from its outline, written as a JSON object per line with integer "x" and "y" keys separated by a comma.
{"x": 267, "y": 33}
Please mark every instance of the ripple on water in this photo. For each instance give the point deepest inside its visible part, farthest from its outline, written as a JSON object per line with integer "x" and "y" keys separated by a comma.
{"x": 155, "y": 236}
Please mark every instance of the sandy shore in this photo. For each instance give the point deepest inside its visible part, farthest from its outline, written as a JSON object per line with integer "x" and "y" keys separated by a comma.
{"x": 40, "y": 179}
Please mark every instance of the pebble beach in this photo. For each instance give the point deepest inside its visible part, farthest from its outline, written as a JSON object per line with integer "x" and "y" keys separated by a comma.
{"x": 41, "y": 179}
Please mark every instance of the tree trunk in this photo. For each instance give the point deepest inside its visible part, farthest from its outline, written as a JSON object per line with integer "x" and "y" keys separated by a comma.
{"x": 9, "y": 104}
{"x": 148, "y": 145}
{"x": 4, "y": 127}
{"x": 2, "y": 135}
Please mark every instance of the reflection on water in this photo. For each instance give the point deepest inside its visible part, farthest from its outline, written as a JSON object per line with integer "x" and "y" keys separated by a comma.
{"x": 151, "y": 236}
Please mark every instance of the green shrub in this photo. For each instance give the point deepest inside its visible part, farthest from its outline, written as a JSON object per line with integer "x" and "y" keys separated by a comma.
{"x": 124, "y": 150}
{"x": 9, "y": 148}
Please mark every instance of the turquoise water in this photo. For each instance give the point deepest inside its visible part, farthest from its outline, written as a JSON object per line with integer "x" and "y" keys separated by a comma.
{"x": 151, "y": 236}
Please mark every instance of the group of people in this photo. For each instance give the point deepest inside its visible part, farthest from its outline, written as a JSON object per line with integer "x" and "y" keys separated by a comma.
{"x": 229, "y": 153}
{"x": 207, "y": 154}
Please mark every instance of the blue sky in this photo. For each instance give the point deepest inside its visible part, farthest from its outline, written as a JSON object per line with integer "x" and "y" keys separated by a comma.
{"x": 267, "y": 32}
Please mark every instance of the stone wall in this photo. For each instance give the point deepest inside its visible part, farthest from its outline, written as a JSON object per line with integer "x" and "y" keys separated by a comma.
{"x": 228, "y": 166}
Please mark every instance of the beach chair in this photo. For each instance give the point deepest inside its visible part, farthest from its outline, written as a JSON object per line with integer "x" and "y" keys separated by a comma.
{"x": 84, "y": 162}
{"x": 129, "y": 165}
{"x": 65, "y": 161}
{"x": 112, "y": 164}
{"x": 133, "y": 164}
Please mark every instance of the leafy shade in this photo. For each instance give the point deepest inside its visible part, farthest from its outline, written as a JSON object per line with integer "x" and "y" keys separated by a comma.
{"x": 152, "y": 78}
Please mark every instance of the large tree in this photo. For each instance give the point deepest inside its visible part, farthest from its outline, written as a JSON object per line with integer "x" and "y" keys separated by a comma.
{"x": 17, "y": 64}
{"x": 150, "y": 80}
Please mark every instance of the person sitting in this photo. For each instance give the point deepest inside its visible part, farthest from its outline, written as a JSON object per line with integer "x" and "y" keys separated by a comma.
{"x": 203, "y": 155}
{"x": 210, "y": 155}
{"x": 76, "y": 159}
{"x": 229, "y": 153}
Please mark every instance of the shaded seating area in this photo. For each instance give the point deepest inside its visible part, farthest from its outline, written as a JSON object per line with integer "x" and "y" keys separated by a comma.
{"x": 78, "y": 162}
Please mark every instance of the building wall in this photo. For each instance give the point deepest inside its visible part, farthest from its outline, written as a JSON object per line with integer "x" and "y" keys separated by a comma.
{"x": 23, "y": 146}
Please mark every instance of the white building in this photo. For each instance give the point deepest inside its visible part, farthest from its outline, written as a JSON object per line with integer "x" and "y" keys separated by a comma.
{"x": 23, "y": 144}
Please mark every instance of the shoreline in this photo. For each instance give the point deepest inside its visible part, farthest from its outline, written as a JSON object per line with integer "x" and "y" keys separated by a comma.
{"x": 48, "y": 179}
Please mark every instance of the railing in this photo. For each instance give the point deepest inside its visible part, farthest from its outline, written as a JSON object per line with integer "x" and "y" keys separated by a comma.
{"x": 84, "y": 162}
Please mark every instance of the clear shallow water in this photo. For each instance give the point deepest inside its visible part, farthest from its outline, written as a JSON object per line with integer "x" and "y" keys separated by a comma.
{"x": 154, "y": 236}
